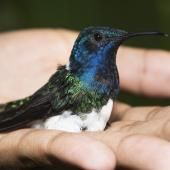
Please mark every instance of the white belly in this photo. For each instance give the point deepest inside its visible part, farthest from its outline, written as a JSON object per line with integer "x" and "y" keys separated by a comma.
{"x": 94, "y": 121}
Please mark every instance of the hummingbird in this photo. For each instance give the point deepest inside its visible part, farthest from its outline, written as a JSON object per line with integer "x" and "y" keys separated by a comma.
{"x": 79, "y": 96}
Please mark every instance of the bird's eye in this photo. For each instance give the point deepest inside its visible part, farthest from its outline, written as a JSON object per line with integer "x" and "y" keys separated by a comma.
{"x": 98, "y": 36}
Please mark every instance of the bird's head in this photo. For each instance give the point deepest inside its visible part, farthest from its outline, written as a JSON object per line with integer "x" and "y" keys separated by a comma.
{"x": 94, "y": 51}
{"x": 93, "y": 45}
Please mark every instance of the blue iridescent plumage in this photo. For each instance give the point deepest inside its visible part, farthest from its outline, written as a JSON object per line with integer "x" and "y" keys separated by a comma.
{"x": 94, "y": 62}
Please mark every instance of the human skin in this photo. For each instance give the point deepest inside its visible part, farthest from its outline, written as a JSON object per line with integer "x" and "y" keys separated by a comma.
{"x": 139, "y": 139}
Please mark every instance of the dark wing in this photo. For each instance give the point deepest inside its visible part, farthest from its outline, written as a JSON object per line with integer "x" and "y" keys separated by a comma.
{"x": 48, "y": 101}
{"x": 19, "y": 114}
{"x": 61, "y": 93}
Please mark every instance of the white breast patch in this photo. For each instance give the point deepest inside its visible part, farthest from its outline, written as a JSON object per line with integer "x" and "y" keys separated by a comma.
{"x": 94, "y": 121}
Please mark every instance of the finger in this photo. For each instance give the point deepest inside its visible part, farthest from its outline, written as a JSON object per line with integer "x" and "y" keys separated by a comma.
{"x": 125, "y": 112}
{"x": 156, "y": 122}
{"x": 144, "y": 152}
{"x": 156, "y": 127}
{"x": 141, "y": 120}
{"x": 137, "y": 151}
{"x": 44, "y": 147}
{"x": 144, "y": 71}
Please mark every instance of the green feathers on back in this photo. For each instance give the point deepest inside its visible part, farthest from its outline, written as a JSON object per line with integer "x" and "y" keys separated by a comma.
{"x": 64, "y": 92}
{"x": 13, "y": 104}
{"x": 68, "y": 92}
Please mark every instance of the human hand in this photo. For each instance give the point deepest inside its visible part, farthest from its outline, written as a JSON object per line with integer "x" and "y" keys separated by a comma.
{"x": 138, "y": 140}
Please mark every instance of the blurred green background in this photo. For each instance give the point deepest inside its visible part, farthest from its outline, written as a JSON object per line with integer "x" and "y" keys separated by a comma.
{"x": 131, "y": 15}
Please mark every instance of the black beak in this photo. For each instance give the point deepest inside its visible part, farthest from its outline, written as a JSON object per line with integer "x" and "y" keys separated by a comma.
{"x": 126, "y": 35}
{"x": 129, "y": 35}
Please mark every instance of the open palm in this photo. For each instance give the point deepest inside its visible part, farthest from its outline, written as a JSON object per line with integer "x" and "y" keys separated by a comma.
{"x": 139, "y": 138}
